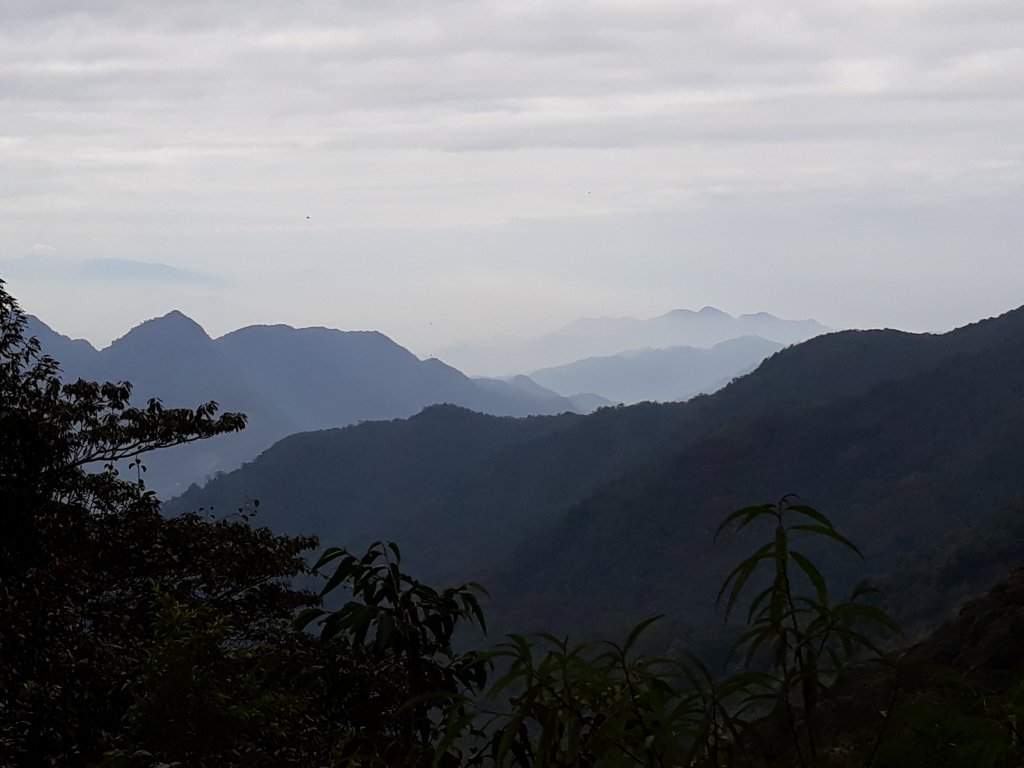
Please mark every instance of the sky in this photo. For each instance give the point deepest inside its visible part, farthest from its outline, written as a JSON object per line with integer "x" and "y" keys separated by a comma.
{"x": 448, "y": 170}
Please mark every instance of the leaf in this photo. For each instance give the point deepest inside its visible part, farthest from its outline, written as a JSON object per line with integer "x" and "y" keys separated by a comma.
{"x": 812, "y": 513}
{"x": 394, "y": 548}
{"x": 329, "y": 555}
{"x": 341, "y": 574}
{"x": 741, "y": 573}
{"x": 306, "y": 617}
{"x": 748, "y": 513}
{"x": 830, "y": 533}
{"x": 638, "y": 630}
{"x": 813, "y": 574}
{"x": 756, "y": 602}
{"x": 864, "y": 589}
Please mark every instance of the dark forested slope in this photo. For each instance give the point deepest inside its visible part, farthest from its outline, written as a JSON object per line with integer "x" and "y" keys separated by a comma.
{"x": 456, "y": 489}
{"x": 591, "y": 523}
{"x": 904, "y": 468}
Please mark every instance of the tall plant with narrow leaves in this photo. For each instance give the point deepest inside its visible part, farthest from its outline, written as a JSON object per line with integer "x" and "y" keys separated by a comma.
{"x": 807, "y": 637}
{"x": 584, "y": 705}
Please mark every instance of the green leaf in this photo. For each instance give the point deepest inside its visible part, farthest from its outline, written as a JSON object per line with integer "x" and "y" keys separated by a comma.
{"x": 813, "y": 574}
{"x": 638, "y": 630}
{"x": 814, "y": 514}
{"x": 757, "y": 601}
{"x": 749, "y": 514}
{"x": 341, "y": 574}
{"x": 831, "y": 533}
{"x": 741, "y": 573}
{"x": 307, "y": 616}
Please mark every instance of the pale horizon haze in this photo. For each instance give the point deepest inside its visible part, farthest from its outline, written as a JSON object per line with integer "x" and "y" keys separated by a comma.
{"x": 448, "y": 171}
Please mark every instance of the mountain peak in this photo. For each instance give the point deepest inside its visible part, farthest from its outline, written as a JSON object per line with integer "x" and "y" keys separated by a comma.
{"x": 178, "y": 320}
{"x": 174, "y": 327}
{"x": 709, "y": 311}
{"x": 706, "y": 311}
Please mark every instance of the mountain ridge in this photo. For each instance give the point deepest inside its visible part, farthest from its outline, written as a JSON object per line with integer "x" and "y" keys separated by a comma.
{"x": 659, "y": 374}
{"x": 285, "y": 379}
{"x": 583, "y": 524}
{"x": 604, "y": 336}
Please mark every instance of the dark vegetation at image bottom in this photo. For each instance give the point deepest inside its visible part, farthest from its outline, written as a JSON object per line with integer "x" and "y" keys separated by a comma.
{"x": 133, "y": 639}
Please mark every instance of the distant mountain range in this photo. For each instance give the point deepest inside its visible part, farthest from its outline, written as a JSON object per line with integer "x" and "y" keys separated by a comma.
{"x": 670, "y": 374}
{"x": 603, "y": 336}
{"x": 290, "y": 380}
{"x": 285, "y": 379}
{"x": 913, "y": 444}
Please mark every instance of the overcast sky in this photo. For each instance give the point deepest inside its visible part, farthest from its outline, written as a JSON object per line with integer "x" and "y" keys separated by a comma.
{"x": 445, "y": 171}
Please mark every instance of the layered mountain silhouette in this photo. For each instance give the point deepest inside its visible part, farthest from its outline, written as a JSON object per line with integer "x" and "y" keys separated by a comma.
{"x": 672, "y": 373}
{"x": 582, "y": 402}
{"x": 913, "y": 444}
{"x": 285, "y": 379}
{"x": 604, "y": 336}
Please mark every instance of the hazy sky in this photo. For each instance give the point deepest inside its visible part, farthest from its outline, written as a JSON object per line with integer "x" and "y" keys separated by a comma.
{"x": 447, "y": 170}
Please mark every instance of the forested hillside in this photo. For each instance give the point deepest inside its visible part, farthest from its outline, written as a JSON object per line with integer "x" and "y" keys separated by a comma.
{"x": 911, "y": 441}
{"x": 460, "y": 489}
{"x": 926, "y": 466}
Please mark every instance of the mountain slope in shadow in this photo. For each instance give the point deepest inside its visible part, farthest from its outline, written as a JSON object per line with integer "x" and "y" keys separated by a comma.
{"x": 587, "y": 524}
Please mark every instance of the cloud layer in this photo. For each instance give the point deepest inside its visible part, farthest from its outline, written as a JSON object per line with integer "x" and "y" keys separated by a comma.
{"x": 420, "y": 138}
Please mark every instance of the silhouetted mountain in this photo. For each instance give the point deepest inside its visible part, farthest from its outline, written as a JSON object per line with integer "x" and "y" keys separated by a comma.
{"x": 604, "y": 336}
{"x": 459, "y": 488}
{"x": 913, "y": 444}
{"x": 285, "y": 379}
{"x": 74, "y": 354}
{"x": 582, "y": 402}
{"x": 913, "y": 467}
{"x": 669, "y": 374}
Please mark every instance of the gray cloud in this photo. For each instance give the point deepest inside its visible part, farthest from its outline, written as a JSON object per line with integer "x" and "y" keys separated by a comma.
{"x": 44, "y": 266}
{"x": 203, "y": 133}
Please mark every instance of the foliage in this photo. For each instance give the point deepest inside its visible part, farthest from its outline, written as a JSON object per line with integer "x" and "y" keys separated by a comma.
{"x": 809, "y": 640}
{"x": 602, "y": 704}
{"x": 85, "y": 554}
{"x": 192, "y": 694}
{"x": 584, "y": 705}
{"x": 406, "y": 630}
{"x": 960, "y": 691}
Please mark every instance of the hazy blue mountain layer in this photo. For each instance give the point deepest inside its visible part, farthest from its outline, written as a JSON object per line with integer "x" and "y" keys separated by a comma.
{"x": 285, "y": 379}
{"x": 912, "y": 443}
{"x": 603, "y": 336}
{"x": 668, "y": 374}
{"x": 583, "y": 402}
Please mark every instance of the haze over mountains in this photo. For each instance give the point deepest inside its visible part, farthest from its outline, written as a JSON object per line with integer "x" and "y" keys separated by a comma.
{"x": 290, "y": 380}
{"x": 913, "y": 444}
{"x": 604, "y": 336}
{"x": 673, "y": 373}
{"x": 285, "y": 379}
